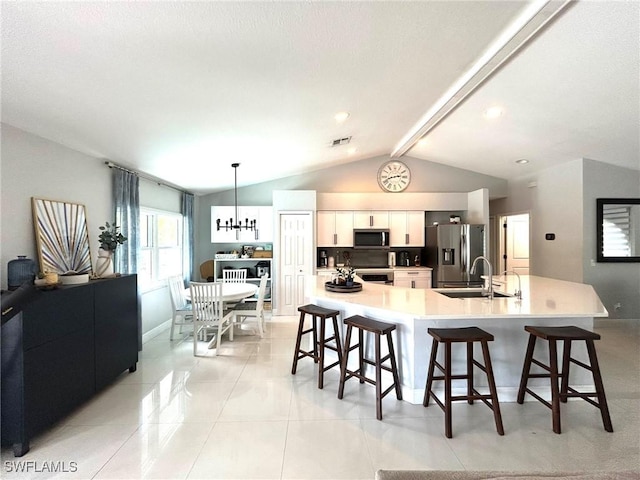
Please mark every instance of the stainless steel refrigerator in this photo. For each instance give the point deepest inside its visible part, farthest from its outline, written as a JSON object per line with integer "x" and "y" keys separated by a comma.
{"x": 450, "y": 250}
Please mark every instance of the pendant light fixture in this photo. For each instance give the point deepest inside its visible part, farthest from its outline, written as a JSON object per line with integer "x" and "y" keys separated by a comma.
{"x": 231, "y": 224}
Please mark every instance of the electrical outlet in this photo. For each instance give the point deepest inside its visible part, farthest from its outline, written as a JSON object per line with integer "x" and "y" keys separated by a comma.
{"x": 617, "y": 306}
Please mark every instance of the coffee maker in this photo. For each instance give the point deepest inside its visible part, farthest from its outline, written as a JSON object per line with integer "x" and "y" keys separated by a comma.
{"x": 323, "y": 260}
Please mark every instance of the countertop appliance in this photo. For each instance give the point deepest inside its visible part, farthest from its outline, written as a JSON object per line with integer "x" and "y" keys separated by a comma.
{"x": 391, "y": 259}
{"x": 371, "y": 238}
{"x": 403, "y": 258}
{"x": 262, "y": 268}
{"x": 450, "y": 251}
{"x": 324, "y": 260}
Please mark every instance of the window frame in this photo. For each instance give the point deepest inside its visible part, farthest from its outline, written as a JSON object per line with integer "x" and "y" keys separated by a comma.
{"x": 155, "y": 282}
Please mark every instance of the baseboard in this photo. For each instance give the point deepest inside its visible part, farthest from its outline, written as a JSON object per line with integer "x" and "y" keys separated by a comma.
{"x": 154, "y": 332}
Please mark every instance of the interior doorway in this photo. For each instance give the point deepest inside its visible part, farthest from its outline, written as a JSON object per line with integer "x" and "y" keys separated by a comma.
{"x": 513, "y": 245}
{"x": 295, "y": 260}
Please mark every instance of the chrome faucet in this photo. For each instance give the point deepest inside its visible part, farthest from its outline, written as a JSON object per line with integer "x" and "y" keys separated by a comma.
{"x": 518, "y": 293}
{"x": 473, "y": 270}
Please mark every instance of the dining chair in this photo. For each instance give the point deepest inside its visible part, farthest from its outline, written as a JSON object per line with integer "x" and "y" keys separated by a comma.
{"x": 242, "y": 311}
{"x": 234, "y": 275}
{"x": 209, "y": 313}
{"x": 182, "y": 313}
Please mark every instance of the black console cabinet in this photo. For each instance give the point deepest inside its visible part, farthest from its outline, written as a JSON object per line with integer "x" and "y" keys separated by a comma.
{"x": 64, "y": 346}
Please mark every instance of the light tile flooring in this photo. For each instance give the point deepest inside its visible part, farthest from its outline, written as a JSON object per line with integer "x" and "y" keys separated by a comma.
{"x": 242, "y": 415}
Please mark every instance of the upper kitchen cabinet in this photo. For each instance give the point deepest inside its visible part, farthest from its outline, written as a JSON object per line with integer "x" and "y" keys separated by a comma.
{"x": 370, "y": 219}
{"x": 263, "y": 217}
{"x": 335, "y": 228}
{"x": 406, "y": 228}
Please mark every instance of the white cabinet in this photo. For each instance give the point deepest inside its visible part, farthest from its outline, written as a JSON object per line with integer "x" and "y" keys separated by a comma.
{"x": 370, "y": 219}
{"x": 334, "y": 228}
{"x": 412, "y": 278}
{"x": 220, "y": 215}
{"x": 226, "y": 215}
{"x": 264, "y": 224}
{"x": 406, "y": 228}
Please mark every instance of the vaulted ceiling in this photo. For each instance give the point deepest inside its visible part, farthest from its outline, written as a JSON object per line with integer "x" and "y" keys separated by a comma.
{"x": 180, "y": 90}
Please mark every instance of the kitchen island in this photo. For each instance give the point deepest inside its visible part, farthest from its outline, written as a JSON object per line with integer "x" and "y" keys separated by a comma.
{"x": 544, "y": 301}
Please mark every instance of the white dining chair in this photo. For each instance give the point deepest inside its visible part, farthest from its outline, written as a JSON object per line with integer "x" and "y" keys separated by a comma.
{"x": 182, "y": 313}
{"x": 242, "y": 311}
{"x": 209, "y": 313}
{"x": 234, "y": 275}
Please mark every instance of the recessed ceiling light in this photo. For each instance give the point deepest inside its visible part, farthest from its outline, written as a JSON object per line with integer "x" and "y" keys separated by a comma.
{"x": 493, "y": 112}
{"x": 522, "y": 161}
{"x": 352, "y": 150}
{"x": 423, "y": 141}
{"x": 341, "y": 117}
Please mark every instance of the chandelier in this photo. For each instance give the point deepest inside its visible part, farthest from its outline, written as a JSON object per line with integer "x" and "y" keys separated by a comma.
{"x": 231, "y": 224}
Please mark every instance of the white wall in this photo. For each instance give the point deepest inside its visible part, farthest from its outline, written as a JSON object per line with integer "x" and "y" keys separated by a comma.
{"x": 34, "y": 167}
{"x": 31, "y": 166}
{"x": 563, "y": 202}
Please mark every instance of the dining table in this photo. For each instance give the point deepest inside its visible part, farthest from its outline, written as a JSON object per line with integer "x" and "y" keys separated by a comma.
{"x": 232, "y": 292}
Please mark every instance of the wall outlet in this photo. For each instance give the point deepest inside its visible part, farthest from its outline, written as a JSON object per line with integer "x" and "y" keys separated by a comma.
{"x": 617, "y": 306}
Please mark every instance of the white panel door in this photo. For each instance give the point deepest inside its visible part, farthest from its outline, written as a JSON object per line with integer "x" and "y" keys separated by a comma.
{"x": 295, "y": 260}
{"x": 517, "y": 243}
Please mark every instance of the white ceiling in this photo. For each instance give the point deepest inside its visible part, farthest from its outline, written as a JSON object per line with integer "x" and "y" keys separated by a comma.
{"x": 180, "y": 90}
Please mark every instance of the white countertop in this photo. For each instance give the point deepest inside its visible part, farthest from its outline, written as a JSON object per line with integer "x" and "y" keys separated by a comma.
{"x": 541, "y": 297}
{"x": 375, "y": 269}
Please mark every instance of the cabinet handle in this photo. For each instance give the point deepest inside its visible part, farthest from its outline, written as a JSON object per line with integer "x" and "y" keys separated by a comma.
{"x": 413, "y": 284}
{"x": 335, "y": 238}
{"x": 371, "y": 220}
{"x": 406, "y": 239}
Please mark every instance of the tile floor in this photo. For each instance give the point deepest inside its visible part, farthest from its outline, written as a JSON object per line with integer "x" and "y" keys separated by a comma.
{"x": 242, "y": 415}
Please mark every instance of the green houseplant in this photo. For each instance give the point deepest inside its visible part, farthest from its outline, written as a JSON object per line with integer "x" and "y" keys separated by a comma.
{"x": 110, "y": 237}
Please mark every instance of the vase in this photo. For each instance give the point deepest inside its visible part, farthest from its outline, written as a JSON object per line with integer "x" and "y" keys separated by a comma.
{"x": 104, "y": 264}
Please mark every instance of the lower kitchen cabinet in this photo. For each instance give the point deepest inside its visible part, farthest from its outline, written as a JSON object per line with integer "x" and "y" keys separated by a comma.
{"x": 412, "y": 278}
{"x": 65, "y": 345}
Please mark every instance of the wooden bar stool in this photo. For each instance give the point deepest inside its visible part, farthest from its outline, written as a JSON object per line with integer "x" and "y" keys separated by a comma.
{"x": 364, "y": 324}
{"x": 468, "y": 335}
{"x": 319, "y": 343}
{"x": 566, "y": 335}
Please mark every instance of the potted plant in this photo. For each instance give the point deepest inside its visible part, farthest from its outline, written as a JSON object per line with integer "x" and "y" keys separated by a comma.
{"x": 345, "y": 275}
{"x": 109, "y": 238}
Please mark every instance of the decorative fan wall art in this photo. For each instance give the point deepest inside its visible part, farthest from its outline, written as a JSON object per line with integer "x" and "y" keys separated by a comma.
{"x": 62, "y": 238}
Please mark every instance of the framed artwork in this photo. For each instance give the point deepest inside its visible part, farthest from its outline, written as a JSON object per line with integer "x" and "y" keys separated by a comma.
{"x": 62, "y": 239}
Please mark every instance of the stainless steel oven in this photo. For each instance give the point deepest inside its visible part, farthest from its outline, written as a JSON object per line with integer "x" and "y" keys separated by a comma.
{"x": 381, "y": 278}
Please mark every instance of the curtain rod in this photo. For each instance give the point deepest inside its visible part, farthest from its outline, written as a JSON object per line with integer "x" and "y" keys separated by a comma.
{"x": 145, "y": 176}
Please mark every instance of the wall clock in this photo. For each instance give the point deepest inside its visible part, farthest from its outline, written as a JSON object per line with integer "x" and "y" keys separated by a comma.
{"x": 394, "y": 176}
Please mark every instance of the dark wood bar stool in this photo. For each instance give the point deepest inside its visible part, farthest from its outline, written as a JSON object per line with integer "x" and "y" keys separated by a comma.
{"x": 320, "y": 343}
{"x": 566, "y": 335}
{"x": 377, "y": 328}
{"x": 468, "y": 335}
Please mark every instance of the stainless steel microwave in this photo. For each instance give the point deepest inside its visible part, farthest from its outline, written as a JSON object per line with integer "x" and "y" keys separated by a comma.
{"x": 371, "y": 238}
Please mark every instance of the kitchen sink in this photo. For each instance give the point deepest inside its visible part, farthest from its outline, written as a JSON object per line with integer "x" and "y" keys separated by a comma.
{"x": 455, "y": 293}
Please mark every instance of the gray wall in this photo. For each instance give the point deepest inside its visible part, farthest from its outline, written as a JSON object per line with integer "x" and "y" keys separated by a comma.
{"x": 563, "y": 201}
{"x": 357, "y": 176}
{"x": 614, "y": 282}
{"x": 31, "y": 166}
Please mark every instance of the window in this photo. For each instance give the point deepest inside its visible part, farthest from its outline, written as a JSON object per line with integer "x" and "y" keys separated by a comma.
{"x": 160, "y": 247}
{"x": 616, "y": 224}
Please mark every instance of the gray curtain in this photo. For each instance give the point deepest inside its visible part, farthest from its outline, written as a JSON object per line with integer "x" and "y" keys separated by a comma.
{"x": 126, "y": 199}
{"x": 187, "y": 235}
